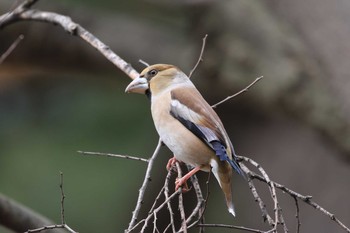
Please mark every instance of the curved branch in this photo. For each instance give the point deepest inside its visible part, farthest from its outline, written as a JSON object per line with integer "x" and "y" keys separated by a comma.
{"x": 20, "y": 218}
{"x": 23, "y": 12}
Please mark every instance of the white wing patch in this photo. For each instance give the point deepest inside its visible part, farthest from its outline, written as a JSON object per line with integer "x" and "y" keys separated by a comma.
{"x": 187, "y": 114}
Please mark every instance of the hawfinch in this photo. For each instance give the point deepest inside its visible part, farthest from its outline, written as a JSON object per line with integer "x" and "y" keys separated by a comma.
{"x": 188, "y": 125}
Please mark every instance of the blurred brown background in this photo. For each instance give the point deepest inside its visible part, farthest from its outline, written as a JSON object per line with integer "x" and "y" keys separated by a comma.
{"x": 58, "y": 95}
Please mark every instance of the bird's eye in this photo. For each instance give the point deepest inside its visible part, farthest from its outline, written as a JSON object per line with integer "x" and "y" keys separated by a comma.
{"x": 152, "y": 72}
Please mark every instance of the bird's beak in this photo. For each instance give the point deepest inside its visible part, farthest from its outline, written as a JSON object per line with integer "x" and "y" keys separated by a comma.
{"x": 138, "y": 85}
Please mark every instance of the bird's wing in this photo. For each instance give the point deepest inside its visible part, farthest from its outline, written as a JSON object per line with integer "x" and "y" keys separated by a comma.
{"x": 189, "y": 107}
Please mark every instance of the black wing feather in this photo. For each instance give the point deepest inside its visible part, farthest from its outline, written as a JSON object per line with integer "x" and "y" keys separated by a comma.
{"x": 217, "y": 146}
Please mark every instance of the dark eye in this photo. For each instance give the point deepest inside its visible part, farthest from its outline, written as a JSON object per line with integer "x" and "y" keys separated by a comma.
{"x": 152, "y": 72}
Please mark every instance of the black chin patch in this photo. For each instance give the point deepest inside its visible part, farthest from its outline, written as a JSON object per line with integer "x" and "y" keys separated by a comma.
{"x": 148, "y": 94}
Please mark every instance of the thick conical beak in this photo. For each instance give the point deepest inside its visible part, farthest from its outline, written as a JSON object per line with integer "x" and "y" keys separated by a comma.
{"x": 138, "y": 85}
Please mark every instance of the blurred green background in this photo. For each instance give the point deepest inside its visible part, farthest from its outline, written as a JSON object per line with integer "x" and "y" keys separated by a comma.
{"x": 58, "y": 96}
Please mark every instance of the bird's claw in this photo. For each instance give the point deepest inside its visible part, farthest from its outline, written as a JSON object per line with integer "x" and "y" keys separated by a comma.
{"x": 181, "y": 183}
{"x": 171, "y": 163}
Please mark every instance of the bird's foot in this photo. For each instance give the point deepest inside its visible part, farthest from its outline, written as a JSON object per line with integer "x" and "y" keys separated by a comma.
{"x": 171, "y": 163}
{"x": 182, "y": 183}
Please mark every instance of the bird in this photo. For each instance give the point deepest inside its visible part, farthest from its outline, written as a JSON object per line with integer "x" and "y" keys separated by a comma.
{"x": 188, "y": 125}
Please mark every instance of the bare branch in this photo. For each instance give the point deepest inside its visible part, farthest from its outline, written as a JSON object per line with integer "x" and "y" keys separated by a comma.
{"x": 200, "y": 55}
{"x": 19, "y": 218}
{"x": 305, "y": 199}
{"x": 231, "y": 227}
{"x": 23, "y": 12}
{"x": 45, "y": 228}
{"x": 297, "y": 214}
{"x": 155, "y": 229}
{"x": 63, "y": 224}
{"x": 282, "y": 222}
{"x": 143, "y": 63}
{"x": 114, "y": 155}
{"x": 158, "y": 209}
{"x": 181, "y": 204}
{"x": 271, "y": 188}
{"x": 166, "y": 194}
{"x": 156, "y": 200}
{"x": 198, "y": 210}
{"x": 69, "y": 229}
{"x": 265, "y": 215}
{"x": 142, "y": 190}
{"x": 238, "y": 93}
{"x": 257, "y": 197}
{"x": 51, "y": 227}
{"x": 62, "y": 199}
{"x": 11, "y": 48}
{"x": 200, "y": 219}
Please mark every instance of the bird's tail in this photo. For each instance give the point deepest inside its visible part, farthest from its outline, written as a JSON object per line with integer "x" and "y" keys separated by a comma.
{"x": 226, "y": 188}
{"x": 223, "y": 174}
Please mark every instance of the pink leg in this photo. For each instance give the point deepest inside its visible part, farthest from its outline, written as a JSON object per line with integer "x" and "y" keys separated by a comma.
{"x": 171, "y": 163}
{"x": 182, "y": 181}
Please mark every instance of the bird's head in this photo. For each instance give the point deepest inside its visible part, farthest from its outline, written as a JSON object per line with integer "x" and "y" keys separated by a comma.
{"x": 155, "y": 79}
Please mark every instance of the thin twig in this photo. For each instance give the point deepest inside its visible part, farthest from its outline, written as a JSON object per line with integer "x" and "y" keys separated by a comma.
{"x": 155, "y": 229}
{"x": 200, "y": 55}
{"x": 181, "y": 204}
{"x": 11, "y": 48}
{"x": 62, "y": 199}
{"x": 46, "y": 228}
{"x": 156, "y": 200}
{"x": 271, "y": 188}
{"x": 297, "y": 214}
{"x": 51, "y": 227}
{"x": 208, "y": 192}
{"x": 158, "y": 209}
{"x": 238, "y": 93}
{"x": 231, "y": 227}
{"x": 69, "y": 229}
{"x": 142, "y": 190}
{"x": 135, "y": 226}
{"x": 200, "y": 219}
{"x": 265, "y": 214}
{"x": 167, "y": 227}
{"x": 63, "y": 223}
{"x": 197, "y": 211}
{"x": 282, "y": 222}
{"x": 114, "y": 155}
{"x": 170, "y": 209}
{"x": 143, "y": 63}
